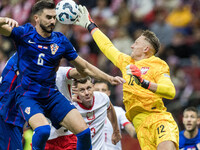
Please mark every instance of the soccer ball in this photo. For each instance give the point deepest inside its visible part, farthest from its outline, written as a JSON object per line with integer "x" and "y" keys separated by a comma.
{"x": 67, "y": 11}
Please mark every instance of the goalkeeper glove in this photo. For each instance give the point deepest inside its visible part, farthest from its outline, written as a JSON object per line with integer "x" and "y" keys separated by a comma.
{"x": 133, "y": 70}
{"x": 85, "y": 20}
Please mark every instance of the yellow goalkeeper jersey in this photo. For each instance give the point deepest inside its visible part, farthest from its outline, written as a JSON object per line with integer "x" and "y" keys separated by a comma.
{"x": 137, "y": 99}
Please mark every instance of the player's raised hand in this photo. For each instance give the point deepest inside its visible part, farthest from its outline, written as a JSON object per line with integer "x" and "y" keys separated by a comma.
{"x": 84, "y": 19}
{"x": 135, "y": 71}
{"x": 116, "y": 137}
{"x": 11, "y": 22}
{"x": 74, "y": 95}
{"x": 116, "y": 80}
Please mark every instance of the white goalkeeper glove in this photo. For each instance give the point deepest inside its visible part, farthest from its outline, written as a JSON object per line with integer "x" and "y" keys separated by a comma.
{"x": 84, "y": 19}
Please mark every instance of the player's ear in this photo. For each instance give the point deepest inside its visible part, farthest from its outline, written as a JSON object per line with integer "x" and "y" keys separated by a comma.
{"x": 198, "y": 120}
{"x": 36, "y": 17}
{"x": 146, "y": 49}
{"x": 109, "y": 92}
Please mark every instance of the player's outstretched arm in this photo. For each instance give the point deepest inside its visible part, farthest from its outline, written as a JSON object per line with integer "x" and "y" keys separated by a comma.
{"x": 86, "y": 68}
{"x": 164, "y": 87}
{"x": 130, "y": 130}
{"x": 116, "y": 136}
{"x": 6, "y": 25}
{"x": 103, "y": 42}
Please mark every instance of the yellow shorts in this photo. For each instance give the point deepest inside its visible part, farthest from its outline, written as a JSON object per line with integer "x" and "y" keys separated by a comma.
{"x": 156, "y": 128}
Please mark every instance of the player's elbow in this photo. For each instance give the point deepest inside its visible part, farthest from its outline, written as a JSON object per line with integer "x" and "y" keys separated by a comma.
{"x": 166, "y": 91}
{"x": 171, "y": 93}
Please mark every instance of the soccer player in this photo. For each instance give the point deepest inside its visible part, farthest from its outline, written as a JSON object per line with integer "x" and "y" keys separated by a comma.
{"x": 147, "y": 82}
{"x": 63, "y": 138}
{"x": 39, "y": 53}
{"x": 123, "y": 123}
{"x": 95, "y": 107}
{"x": 190, "y": 137}
{"x": 11, "y": 122}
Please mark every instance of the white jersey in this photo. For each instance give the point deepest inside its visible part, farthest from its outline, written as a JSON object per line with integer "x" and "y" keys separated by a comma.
{"x": 95, "y": 118}
{"x": 122, "y": 121}
{"x": 64, "y": 86}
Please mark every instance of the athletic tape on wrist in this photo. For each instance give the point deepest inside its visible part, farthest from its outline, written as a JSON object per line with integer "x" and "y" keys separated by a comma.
{"x": 91, "y": 27}
{"x": 145, "y": 84}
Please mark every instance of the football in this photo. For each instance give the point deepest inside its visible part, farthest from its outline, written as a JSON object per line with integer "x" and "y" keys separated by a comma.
{"x": 67, "y": 11}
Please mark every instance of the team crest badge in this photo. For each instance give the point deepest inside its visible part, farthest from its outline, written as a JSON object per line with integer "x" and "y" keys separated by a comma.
{"x": 90, "y": 115}
{"x": 54, "y": 47}
{"x": 28, "y": 110}
{"x": 144, "y": 70}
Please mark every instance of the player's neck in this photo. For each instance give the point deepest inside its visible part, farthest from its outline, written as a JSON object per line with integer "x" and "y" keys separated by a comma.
{"x": 191, "y": 134}
{"x": 88, "y": 104}
{"x": 142, "y": 57}
{"x": 42, "y": 32}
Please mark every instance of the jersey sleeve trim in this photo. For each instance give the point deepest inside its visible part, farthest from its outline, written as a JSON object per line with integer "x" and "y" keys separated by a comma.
{"x": 124, "y": 124}
{"x": 67, "y": 74}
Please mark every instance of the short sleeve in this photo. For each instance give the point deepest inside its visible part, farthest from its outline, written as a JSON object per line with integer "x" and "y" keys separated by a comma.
{"x": 121, "y": 117}
{"x": 162, "y": 72}
{"x": 19, "y": 32}
{"x": 15, "y": 66}
{"x": 70, "y": 52}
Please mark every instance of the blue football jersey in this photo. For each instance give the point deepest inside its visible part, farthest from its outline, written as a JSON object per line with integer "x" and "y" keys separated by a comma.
{"x": 8, "y": 82}
{"x": 8, "y": 76}
{"x": 189, "y": 144}
{"x": 39, "y": 59}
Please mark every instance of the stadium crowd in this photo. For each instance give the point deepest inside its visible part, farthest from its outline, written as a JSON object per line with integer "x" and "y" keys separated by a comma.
{"x": 175, "y": 22}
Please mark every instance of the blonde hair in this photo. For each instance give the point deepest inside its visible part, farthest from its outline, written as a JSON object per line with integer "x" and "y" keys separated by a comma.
{"x": 152, "y": 39}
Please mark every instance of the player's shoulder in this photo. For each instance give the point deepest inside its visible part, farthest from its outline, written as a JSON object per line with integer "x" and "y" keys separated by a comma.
{"x": 63, "y": 69}
{"x": 100, "y": 95}
{"x": 158, "y": 60}
{"x": 118, "y": 108}
{"x": 60, "y": 36}
{"x": 27, "y": 27}
{"x": 62, "y": 72}
{"x": 24, "y": 29}
{"x": 97, "y": 93}
{"x": 181, "y": 132}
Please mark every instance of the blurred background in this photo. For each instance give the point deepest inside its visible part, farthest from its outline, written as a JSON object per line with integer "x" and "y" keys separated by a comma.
{"x": 175, "y": 22}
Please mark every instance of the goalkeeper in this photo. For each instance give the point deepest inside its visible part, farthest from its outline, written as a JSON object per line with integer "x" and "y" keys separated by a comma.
{"x": 147, "y": 82}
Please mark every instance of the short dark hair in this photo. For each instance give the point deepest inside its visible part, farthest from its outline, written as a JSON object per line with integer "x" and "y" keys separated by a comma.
{"x": 82, "y": 80}
{"x": 192, "y": 108}
{"x": 42, "y": 4}
{"x": 152, "y": 39}
{"x": 102, "y": 81}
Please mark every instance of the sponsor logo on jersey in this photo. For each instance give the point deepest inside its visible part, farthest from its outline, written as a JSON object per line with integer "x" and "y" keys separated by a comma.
{"x": 54, "y": 47}
{"x": 31, "y": 42}
{"x": 28, "y": 110}
{"x": 144, "y": 70}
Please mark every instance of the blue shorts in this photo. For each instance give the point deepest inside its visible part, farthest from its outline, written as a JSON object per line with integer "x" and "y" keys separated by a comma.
{"x": 55, "y": 107}
{"x": 10, "y": 136}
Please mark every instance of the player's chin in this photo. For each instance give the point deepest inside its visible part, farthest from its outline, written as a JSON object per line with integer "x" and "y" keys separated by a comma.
{"x": 50, "y": 29}
{"x": 189, "y": 128}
